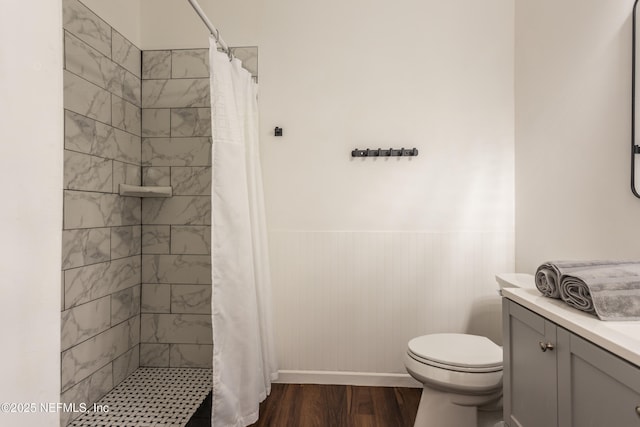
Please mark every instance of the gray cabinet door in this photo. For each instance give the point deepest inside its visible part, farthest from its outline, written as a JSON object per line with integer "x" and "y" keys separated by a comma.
{"x": 530, "y": 382}
{"x": 595, "y": 387}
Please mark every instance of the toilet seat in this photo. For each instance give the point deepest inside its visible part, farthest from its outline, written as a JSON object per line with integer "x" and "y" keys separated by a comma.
{"x": 457, "y": 352}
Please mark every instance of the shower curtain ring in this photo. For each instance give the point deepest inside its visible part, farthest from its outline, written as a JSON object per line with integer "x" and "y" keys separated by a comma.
{"x": 217, "y": 36}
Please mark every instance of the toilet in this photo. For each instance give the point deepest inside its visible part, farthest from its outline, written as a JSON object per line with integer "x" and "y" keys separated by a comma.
{"x": 459, "y": 373}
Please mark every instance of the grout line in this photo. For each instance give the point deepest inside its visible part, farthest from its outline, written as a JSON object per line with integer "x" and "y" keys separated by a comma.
{"x": 100, "y": 121}
{"x": 103, "y": 89}
{"x": 97, "y": 262}
{"x": 111, "y": 118}
{"x": 102, "y": 332}
{"x": 100, "y": 157}
{"x": 117, "y": 64}
{"x": 167, "y": 79}
{"x": 88, "y": 302}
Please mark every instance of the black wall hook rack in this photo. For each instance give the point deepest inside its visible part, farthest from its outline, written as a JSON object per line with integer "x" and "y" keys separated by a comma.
{"x": 388, "y": 152}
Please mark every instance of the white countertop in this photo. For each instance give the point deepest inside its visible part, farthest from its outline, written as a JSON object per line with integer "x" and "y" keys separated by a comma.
{"x": 620, "y": 338}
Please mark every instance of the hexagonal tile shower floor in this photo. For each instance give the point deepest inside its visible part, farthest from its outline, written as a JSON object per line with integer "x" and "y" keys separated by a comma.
{"x": 151, "y": 397}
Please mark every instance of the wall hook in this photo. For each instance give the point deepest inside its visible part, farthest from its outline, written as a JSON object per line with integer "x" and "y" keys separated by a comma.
{"x": 391, "y": 152}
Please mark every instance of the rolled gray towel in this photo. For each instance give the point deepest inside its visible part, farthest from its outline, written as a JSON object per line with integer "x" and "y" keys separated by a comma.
{"x": 549, "y": 275}
{"x": 611, "y": 292}
{"x": 547, "y": 280}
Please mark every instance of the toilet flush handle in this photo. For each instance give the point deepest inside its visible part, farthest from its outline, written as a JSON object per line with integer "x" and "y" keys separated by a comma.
{"x": 545, "y": 346}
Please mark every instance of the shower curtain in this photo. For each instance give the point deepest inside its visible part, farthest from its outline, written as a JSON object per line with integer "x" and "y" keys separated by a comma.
{"x": 243, "y": 348}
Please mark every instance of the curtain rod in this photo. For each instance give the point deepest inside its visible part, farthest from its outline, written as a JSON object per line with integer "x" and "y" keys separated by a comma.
{"x": 214, "y": 32}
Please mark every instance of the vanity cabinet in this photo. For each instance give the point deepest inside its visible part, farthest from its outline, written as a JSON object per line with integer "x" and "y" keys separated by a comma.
{"x": 555, "y": 378}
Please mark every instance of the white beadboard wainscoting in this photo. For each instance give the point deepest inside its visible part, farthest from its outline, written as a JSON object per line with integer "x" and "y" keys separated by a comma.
{"x": 346, "y": 303}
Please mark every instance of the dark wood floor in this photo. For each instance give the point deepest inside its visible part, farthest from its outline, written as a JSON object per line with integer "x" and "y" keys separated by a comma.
{"x": 310, "y": 405}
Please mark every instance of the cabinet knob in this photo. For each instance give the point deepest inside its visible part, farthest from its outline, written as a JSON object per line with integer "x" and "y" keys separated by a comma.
{"x": 545, "y": 346}
{"x": 638, "y": 410}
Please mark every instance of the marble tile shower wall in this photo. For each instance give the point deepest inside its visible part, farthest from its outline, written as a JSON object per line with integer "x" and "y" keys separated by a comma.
{"x": 101, "y": 260}
{"x": 176, "y": 243}
{"x": 176, "y": 232}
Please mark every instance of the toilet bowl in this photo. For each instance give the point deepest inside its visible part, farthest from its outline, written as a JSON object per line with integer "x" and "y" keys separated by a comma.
{"x": 459, "y": 373}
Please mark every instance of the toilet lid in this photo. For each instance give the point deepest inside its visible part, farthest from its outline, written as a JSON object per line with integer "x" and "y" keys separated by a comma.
{"x": 458, "y": 350}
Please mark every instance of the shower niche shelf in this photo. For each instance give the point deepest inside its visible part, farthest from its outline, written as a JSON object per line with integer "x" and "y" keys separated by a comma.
{"x": 145, "y": 191}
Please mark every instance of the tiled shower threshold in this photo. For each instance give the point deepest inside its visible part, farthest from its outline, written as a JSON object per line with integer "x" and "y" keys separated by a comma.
{"x": 151, "y": 397}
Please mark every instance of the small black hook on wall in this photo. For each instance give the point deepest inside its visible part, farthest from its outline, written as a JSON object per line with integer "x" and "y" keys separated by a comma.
{"x": 277, "y": 131}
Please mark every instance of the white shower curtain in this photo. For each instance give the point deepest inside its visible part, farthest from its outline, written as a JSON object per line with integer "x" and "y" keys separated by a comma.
{"x": 243, "y": 349}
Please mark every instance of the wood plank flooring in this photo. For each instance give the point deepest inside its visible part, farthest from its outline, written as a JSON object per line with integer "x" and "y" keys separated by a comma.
{"x": 311, "y": 405}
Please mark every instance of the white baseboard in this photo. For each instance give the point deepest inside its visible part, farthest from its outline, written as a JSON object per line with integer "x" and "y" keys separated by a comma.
{"x": 370, "y": 379}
